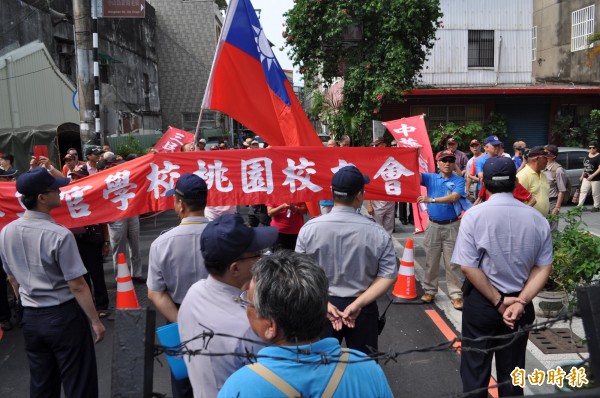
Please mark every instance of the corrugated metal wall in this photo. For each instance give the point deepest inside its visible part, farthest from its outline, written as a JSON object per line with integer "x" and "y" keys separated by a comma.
{"x": 43, "y": 96}
{"x": 509, "y": 19}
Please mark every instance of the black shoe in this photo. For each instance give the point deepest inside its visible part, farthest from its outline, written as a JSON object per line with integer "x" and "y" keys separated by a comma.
{"x": 404, "y": 222}
{"x": 595, "y": 210}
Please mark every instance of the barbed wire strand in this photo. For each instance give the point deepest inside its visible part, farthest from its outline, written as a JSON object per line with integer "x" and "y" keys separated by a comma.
{"x": 208, "y": 334}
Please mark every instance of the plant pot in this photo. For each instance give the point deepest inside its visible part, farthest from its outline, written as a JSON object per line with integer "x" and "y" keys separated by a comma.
{"x": 549, "y": 304}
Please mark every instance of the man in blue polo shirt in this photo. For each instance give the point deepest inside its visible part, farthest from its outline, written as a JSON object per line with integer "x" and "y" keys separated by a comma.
{"x": 443, "y": 190}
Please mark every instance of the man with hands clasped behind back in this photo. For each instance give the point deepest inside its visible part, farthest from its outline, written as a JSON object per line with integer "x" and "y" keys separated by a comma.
{"x": 507, "y": 264}
{"x": 358, "y": 258}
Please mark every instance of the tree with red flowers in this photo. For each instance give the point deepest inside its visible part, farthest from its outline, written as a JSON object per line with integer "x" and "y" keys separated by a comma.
{"x": 376, "y": 46}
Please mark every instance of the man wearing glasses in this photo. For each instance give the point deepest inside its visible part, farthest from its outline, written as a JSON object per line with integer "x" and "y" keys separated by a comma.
{"x": 443, "y": 190}
{"x": 174, "y": 262}
{"x": 230, "y": 249}
{"x": 285, "y": 305}
{"x": 41, "y": 258}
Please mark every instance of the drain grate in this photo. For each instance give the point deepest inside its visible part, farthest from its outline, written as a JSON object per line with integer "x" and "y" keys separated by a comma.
{"x": 557, "y": 341}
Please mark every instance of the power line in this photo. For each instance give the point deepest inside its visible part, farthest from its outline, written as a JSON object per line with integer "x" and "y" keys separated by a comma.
{"x": 26, "y": 74}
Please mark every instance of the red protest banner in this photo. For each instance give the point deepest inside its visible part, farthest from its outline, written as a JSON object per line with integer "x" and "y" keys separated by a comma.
{"x": 172, "y": 140}
{"x": 234, "y": 177}
{"x": 411, "y": 132}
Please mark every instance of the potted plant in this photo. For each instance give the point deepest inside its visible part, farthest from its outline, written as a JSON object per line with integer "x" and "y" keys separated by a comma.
{"x": 576, "y": 261}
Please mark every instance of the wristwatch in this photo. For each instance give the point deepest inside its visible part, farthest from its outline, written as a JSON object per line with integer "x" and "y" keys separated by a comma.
{"x": 500, "y": 302}
{"x": 433, "y": 200}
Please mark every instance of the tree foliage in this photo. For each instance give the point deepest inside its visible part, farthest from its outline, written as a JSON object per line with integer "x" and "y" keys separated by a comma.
{"x": 377, "y": 66}
{"x": 221, "y": 4}
{"x": 567, "y": 132}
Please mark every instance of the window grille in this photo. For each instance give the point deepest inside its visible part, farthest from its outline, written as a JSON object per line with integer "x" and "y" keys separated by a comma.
{"x": 481, "y": 49}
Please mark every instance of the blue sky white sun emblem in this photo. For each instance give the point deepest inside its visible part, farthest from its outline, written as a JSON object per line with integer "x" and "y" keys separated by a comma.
{"x": 263, "y": 47}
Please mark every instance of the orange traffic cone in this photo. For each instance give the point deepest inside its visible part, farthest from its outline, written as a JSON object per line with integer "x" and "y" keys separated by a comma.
{"x": 406, "y": 284}
{"x": 126, "y": 298}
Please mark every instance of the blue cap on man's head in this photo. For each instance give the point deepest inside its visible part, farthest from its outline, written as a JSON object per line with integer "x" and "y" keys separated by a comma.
{"x": 189, "y": 186}
{"x": 226, "y": 238}
{"x": 492, "y": 139}
{"x": 348, "y": 180}
{"x": 38, "y": 180}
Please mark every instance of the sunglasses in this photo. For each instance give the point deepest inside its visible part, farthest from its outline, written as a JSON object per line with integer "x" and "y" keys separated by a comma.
{"x": 592, "y": 147}
{"x": 447, "y": 160}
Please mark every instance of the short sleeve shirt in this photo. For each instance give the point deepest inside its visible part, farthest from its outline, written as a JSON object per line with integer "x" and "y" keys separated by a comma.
{"x": 590, "y": 165}
{"x": 508, "y": 247}
{"x": 438, "y": 186}
{"x": 287, "y": 223}
{"x": 558, "y": 182}
{"x": 209, "y": 305}
{"x": 537, "y": 184}
{"x": 175, "y": 260}
{"x": 43, "y": 257}
{"x": 351, "y": 249}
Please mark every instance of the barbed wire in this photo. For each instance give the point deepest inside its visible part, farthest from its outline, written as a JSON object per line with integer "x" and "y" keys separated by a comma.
{"x": 208, "y": 334}
{"x": 457, "y": 344}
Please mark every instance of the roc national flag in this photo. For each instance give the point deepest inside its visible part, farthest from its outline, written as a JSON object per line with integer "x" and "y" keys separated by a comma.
{"x": 247, "y": 83}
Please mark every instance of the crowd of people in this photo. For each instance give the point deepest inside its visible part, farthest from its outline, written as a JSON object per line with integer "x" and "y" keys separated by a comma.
{"x": 285, "y": 287}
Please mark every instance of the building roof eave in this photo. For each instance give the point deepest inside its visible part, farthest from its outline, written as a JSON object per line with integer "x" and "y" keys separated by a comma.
{"x": 505, "y": 90}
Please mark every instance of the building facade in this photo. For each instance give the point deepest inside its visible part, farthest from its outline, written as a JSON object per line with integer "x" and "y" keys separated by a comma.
{"x": 483, "y": 64}
{"x": 129, "y": 96}
{"x": 188, "y": 32}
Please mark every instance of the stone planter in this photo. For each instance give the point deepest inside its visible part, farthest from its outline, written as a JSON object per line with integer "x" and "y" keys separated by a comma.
{"x": 550, "y": 304}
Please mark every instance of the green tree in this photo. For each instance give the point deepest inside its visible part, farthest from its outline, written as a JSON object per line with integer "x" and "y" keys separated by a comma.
{"x": 376, "y": 46}
{"x": 221, "y": 4}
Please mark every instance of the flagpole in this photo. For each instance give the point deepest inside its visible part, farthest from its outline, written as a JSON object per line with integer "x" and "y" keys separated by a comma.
{"x": 232, "y": 6}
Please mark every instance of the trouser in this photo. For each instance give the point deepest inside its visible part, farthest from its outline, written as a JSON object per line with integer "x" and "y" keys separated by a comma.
{"x": 553, "y": 225}
{"x": 59, "y": 347}
{"x": 405, "y": 212}
{"x": 91, "y": 255}
{"x": 5, "y": 313}
{"x": 383, "y": 213}
{"x": 441, "y": 238}
{"x": 123, "y": 233}
{"x": 585, "y": 188}
{"x": 257, "y": 214}
{"x": 480, "y": 318}
{"x": 286, "y": 242}
{"x": 364, "y": 334}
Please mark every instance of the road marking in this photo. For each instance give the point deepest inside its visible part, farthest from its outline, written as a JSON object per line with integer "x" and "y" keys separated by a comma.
{"x": 450, "y": 335}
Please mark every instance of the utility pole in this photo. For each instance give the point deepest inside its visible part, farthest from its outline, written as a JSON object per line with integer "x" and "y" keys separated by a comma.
{"x": 85, "y": 78}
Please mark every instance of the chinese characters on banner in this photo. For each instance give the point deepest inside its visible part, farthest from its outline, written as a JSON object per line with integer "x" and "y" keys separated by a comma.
{"x": 236, "y": 177}
{"x": 411, "y": 132}
{"x": 172, "y": 140}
